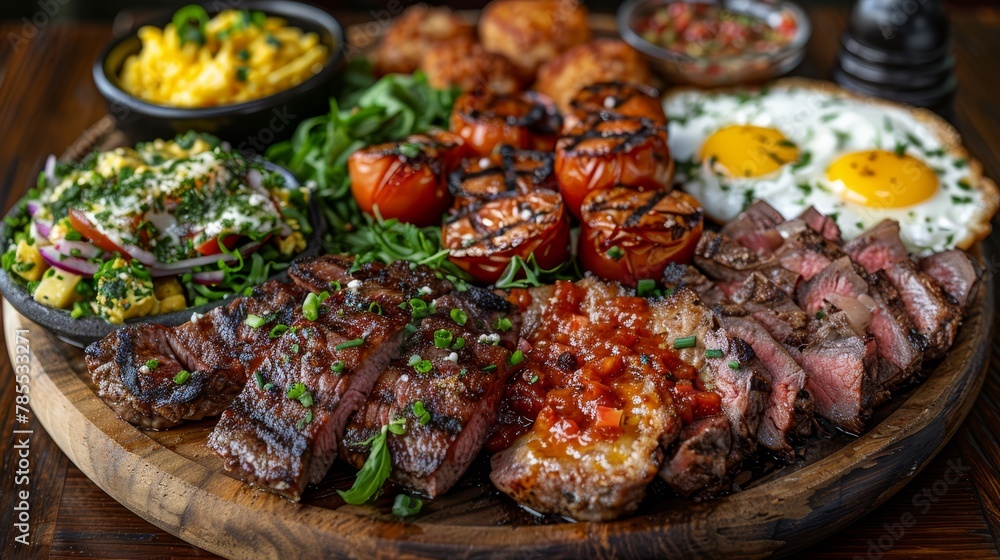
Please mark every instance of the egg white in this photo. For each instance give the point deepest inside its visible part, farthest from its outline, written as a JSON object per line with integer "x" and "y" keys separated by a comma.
{"x": 824, "y": 127}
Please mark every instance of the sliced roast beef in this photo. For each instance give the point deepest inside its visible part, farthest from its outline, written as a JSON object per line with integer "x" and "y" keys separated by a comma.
{"x": 878, "y": 247}
{"x": 772, "y": 308}
{"x": 448, "y": 408}
{"x": 825, "y": 225}
{"x": 935, "y": 317}
{"x": 134, "y": 368}
{"x": 789, "y": 412}
{"x": 839, "y": 277}
{"x": 677, "y": 276}
{"x": 900, "y": 345}
{"x": 955, "y": 271}
{"x": 729, "y": 263}
{"x": 755, "y": 229}
{"x": 699, "y": 464}
{"x": 841, "y": 370}
{"x": 737, "y": 375}
{"x": 807, "y": 252}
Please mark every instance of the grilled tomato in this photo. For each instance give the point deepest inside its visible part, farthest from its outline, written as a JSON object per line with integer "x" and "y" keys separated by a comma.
{"x": 483, "y": 239}
{"x": 486, "y": 120}
{"x": 616, "y": 98}
{"x": 408, "y": 179}
{"x": 510, "y": 172}
{"x": 609, "y": 150}
{"x": 629, "y": 235}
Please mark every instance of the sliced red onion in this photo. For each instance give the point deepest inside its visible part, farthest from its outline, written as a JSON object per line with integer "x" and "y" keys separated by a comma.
{"x": 33, "y": 207}
{"x": 36, "y": 235}
{"x": 255, "y": 180}
{"x": 209, "y": 278}
{"x": 72, "y": 265}
{"x": 44, "y": 228}
{"x": 85, "y": 249}
{"x": 50, "y": 169}
{"x": 858, "y": 314}
{"x": 141, "y": 255}
{"x": 181, "y": 267}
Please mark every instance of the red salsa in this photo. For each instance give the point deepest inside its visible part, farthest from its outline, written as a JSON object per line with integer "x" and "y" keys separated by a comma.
{"x": 588, "y": 370}
{"x": 703, "y": 30}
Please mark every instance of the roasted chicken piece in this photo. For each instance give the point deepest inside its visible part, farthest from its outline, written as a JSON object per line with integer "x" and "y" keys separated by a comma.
{"x": 602, "y": 60}
{"x": 465, "y": 64}
{"x": 530, "y": 32}
{"x": 487, "y": 120}
{"x": 408, "y": 37}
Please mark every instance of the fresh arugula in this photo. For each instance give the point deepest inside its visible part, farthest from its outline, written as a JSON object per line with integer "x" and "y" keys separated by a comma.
{"x": 521, "y": 273}
{"x": 377, "y": 467}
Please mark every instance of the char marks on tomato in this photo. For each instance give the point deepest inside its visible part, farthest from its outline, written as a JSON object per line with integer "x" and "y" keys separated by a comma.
{"x": 487, "y": 120}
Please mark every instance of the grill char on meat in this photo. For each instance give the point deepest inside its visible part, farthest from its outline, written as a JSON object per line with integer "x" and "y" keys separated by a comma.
{"x": 729, "y": 263}
{"x": 755, "y": 228}
{"x": 461, "y": 397}
{"x": 807, "y": 252}
{"x": 699, "y": 463}
{"x": 772, "y": 308}
{"x": 281, "y": 444}
{"x": 216, "y": 349}
{"x": 744, "y": 389}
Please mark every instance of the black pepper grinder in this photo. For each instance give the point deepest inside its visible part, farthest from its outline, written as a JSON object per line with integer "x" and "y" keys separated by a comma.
{"x": 899, "y": 50}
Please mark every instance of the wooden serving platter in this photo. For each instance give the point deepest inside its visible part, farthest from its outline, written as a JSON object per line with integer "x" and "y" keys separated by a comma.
{"x": 173, "y": 480}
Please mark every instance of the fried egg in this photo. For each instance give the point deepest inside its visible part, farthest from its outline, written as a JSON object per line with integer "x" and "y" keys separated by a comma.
{"x": 799, "y": 144}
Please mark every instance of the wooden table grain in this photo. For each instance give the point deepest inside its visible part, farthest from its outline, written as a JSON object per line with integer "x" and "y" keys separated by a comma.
{"x": 47, "y": 98}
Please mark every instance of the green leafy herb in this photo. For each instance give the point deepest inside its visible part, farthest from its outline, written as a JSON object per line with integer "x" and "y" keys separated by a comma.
{"x": 377, "y": 467}
{"x": 521, "y": 273}
{"x": 405, "y": 506}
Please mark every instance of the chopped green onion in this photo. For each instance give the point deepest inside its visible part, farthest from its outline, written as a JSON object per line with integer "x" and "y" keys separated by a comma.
{"x": 734, "y": 365}
{"x": 258, "y": 379}
{"x": 459, "y": 316}
{"x": 337, "y": 367}
{"x": 153, "y": 364}
{"x": 713, "y": 353}
{"x": 504, "y": 324}
{"x": 277, "y": 330}
{"x": 310, "y": 307}
{"x": 350, "y": 344}
{"x": 685, "y": 342}
{"x": 491, "y": 367}
{"x": 405, "y": 506}
{"x": 375, "y": 308}
{"x": 534, "y": 379}
{"x": 254, "y": 321}
{"x": 182, "y": 377}
{"x": 820, "y": 314}
{"x": 443, "y": 338}
{"x": 516, "y": 358}
{"x": 423, "y": 366}
{"x": 615, "y": 253}
{"x": 295, "y": 348}
{"x": 414, "y": 360}
{"x": 645, "y": 287}
{"x": 423, "y": 416}
{"x": 296, "y": 390}
{"x": 459, "y": 343}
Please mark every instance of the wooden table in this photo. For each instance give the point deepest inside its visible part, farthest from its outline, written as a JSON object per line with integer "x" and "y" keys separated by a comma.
{"x": 47, "y": 99}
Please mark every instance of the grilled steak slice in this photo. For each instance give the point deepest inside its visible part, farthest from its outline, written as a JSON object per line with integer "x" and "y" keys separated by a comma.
{"x": 878, "y": 247}
{"x": 272, "y": 435}
{"x": 677, "y": 276}
{"x": 841, "y": 371}
{"x": 955, "y": 271}
{"x": 839, "y": 277}
{"x": 134, "y": 367}
{"x": 729, "y": 263}
{"x": 755, "y": 229}
{"x": 934, "y": 316}
{"x": 900, "y": 346}
{"x": 789, "y": 410}
{"x": 773, "y": 309}
{"x": 822, "y": 224}
{"x": 605, "y": 407}
{"x": 458, "y": 396}
{"x": 699, "y": 464}
{"x": 332, "y": 272}
{"x": 807, "y": 252}
{"x": 740, "y": 379}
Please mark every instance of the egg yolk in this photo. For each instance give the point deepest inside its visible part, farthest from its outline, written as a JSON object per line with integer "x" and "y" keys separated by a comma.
{"x": 883, "y": 179}
{"x": 749, "y": 151}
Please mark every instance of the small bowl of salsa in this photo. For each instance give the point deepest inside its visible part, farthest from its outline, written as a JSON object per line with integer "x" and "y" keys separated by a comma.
{"x": 708, "y": 43}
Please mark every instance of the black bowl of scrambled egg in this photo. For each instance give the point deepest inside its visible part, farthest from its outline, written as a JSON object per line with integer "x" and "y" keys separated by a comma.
{"x": 248, "y": 76}
{"x": 74, "y": 286}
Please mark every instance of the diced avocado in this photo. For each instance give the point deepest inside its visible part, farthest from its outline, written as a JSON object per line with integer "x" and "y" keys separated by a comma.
{"x": 57, "y": 289}
{"x": 122, "y": 293}
{"x": 28, "y": 262}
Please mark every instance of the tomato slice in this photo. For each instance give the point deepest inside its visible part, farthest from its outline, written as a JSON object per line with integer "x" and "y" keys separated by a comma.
{"x": 629, "y": 235}
{"x": 609, "y": 150}
{"x": 78, "y": 220}
{"x": 483, "y": 240}
{"x": 615, "y": 98}
{"x": 211, "y": 247}
{"x": 406, "y": 180}
{"x": 508, "y": 173}
{"x": 487, "y": 120}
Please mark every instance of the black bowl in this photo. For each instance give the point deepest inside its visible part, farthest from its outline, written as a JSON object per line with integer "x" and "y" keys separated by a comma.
{"x": 81, "y": 332}
{"x": 250, "y": 126}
